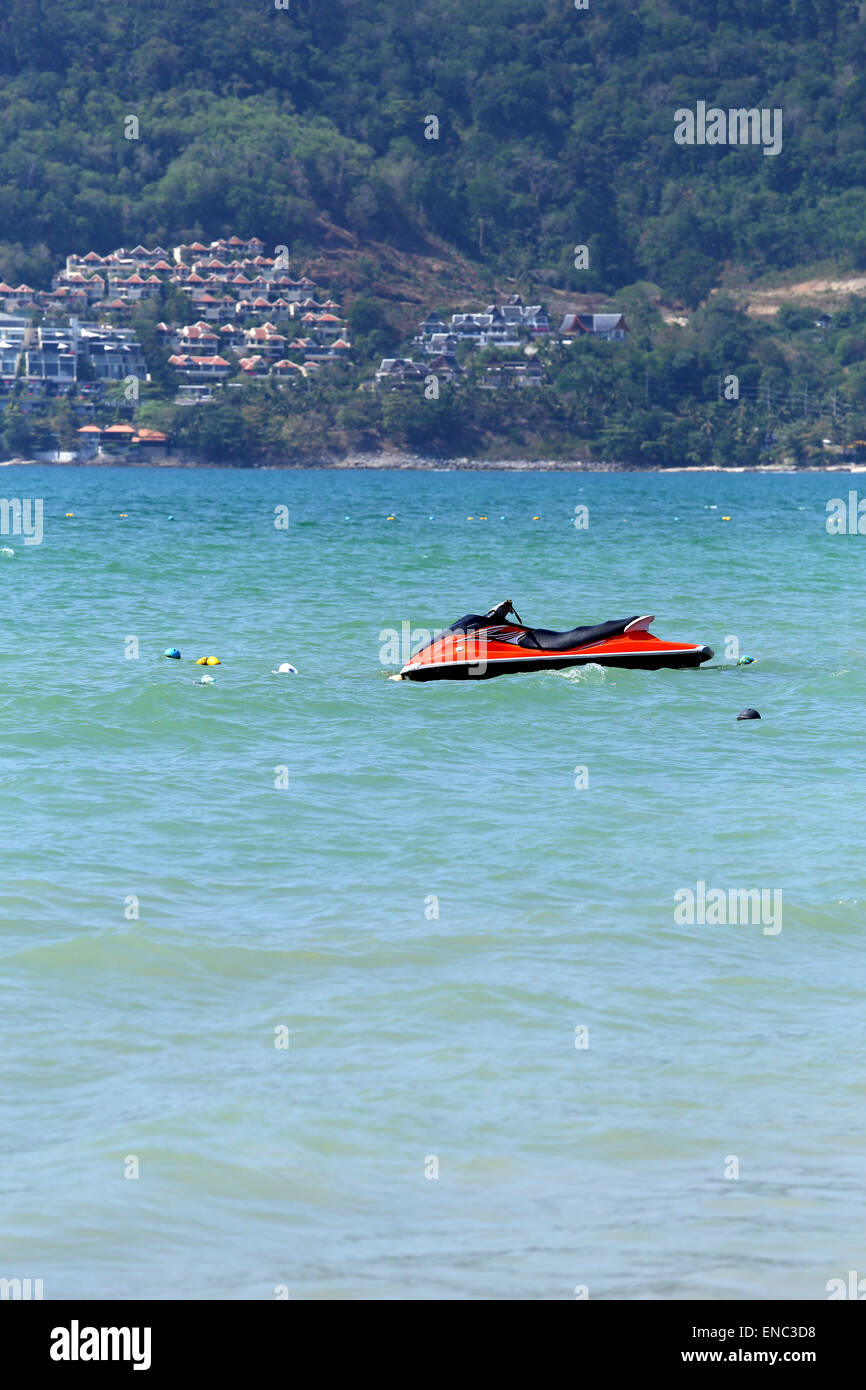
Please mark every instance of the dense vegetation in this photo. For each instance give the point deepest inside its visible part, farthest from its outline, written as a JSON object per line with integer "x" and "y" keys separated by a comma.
{"x": 555, "y": 128}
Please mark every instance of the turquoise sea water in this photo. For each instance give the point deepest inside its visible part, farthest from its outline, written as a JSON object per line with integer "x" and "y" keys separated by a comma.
{"x": 312, "y": 906}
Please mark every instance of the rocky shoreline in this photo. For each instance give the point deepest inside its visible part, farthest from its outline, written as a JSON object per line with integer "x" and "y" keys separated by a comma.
{"x": 393, "y": 459}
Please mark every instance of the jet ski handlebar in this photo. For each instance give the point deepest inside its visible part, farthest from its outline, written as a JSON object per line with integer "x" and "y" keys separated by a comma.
{"x": 500, "y": 613}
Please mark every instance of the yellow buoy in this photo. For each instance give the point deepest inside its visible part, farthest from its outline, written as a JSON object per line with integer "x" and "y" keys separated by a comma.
{"x": 211, "y": 661}
{"x": 726, "y": 518}
{"x": 124, "y": 513}
{"x": 536, "y": 518}
{"x": 69, "y": 514}
{"x": 390, "y": 518}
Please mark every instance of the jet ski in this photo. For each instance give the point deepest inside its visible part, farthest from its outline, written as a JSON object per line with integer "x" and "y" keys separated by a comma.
{"x": 479, "y": 647}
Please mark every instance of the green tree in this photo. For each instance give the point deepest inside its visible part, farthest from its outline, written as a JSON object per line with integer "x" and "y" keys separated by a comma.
{"x": 18, "y": 435}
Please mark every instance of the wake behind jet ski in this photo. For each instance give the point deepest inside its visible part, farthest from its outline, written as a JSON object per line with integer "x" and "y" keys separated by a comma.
{"x": 479, "y": 647}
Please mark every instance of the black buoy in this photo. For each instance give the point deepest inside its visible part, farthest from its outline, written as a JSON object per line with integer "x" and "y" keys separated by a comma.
{"x": 748, "y": 714}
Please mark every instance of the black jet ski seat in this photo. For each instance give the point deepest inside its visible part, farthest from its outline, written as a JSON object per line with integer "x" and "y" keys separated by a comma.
{"x": 545, "y": 640}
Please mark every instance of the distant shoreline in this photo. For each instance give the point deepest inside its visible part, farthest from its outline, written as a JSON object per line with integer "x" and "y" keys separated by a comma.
{"x": 391, "y": 460}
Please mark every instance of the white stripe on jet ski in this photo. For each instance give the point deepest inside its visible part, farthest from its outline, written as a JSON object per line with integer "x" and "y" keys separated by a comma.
{"x": 510, "y": 660}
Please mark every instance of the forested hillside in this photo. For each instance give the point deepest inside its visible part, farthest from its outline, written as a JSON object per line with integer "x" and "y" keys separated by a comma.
{"x": 555, "y": 127}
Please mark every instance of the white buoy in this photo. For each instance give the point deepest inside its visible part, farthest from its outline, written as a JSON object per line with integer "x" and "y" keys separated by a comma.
{"x": 287, "y": 669}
